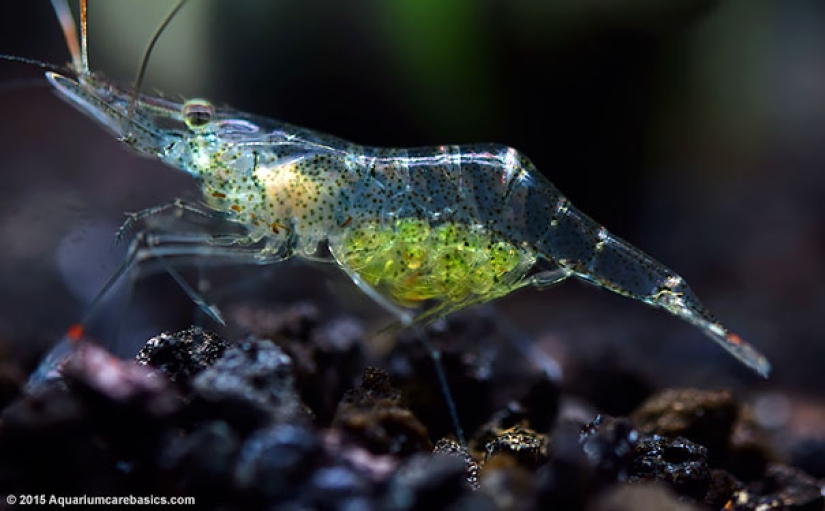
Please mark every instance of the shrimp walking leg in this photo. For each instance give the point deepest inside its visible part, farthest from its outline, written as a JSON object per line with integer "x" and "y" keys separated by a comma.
{"x": 176, "y": 206}
{"x": 405, "y": 318}
{"x": 164, "y": 248}
{"x": 435, "y": 355}
{"x": 548, "y": 278}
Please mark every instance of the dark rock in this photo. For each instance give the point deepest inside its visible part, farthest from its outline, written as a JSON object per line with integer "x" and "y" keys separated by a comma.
{"x": 704, "y": 417}
{"x": 723, "y": 485}
{"x": 508, "y": 485}
{"x": 568, "y": 480}
{"x": 749, "y": 449}
{"x": 808, "y": 454}
{"x": 608, "y": 384}
{"x": 639, "y": 497}
{"x": 427, "y": 481}
{"x": 339, "y": 487}
{"x": 451, "y": 447}
{"x": 12, "y": 380}
{"x": 474, "y": 501}
{"x": 379, "y": 466}
{"x": 327, "y": 357}
{"x": 202, "y": 462}
{"x": 118, "y": 385}
{"x": 47, "y": 440}
{"x": 53, "y": 408}
{"x": 335, "y": 361}
{"x": 372, "y": 415}
{"x": 525, "y": 446}
{"x": 609, "y": 445}
{"x": 511, "y": 416}
{"x": 734, "y": 439}
{"x": 274, "y": 463}
{"x": 250, "y": 386}
{"x": 575, "y": 413}
{"x": 235, "y": 433}
{"x": 467, "y": 363}
{"x": 680, "y": 463}
{"x": 783, "y": 488}
{"x": 97, "y": 432}
{"x": 540, "y": 404}
{"x": 182, "y": 355}
{"x": 283, "y": 467}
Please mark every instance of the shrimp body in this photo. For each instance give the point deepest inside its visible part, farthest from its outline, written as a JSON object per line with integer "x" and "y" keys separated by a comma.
{"x": 419, "y": 226}
{"x": 424, "y": 231}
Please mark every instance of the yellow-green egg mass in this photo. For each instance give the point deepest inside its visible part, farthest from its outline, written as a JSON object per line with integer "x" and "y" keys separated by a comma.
{"x": 412, "y": 261}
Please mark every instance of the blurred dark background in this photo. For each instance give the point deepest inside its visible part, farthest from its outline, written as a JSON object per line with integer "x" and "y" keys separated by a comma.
{"x": 692, "y": 128}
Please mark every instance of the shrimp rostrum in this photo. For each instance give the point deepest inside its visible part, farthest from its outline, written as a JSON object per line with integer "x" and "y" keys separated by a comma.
{"x": 424, "y": 231}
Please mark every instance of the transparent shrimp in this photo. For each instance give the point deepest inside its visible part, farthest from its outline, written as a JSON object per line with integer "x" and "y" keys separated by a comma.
{"x": 424, "y": 231}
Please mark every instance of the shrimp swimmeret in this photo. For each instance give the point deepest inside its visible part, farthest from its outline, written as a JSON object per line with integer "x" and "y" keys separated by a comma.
{"x": 424, "y": 231}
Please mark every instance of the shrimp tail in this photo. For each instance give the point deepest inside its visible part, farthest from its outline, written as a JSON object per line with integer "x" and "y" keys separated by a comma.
{"x": 589, "y": 252}
{"x": 685, "y": 305}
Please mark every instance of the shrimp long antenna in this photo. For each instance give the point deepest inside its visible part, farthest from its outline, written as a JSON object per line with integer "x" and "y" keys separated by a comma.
{"x": 147, "y": 53}
{"x": 80, "y": 62}
{"x": 33, "y": 62}
{"x": 84, "y": 47}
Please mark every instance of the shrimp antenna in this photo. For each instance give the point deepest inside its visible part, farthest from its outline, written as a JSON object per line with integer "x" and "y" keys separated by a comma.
{"x": 84, "y": 46}
{"x": 79, "y": 60}
{"x": 147, "y": 53}
{"x": 33, "y": 62}
{"x": 79, "y": 51}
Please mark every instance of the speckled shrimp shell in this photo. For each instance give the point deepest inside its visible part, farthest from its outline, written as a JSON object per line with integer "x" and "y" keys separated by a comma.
{"x": 423, "y": 231}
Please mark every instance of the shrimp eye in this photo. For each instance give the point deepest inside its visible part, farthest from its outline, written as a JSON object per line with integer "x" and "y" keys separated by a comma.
{"x": 197, "y": 113}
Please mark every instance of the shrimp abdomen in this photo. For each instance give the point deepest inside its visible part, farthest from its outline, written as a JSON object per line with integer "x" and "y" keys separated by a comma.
{"x": 527, "y": 209}
{"x": 576, "y": 243}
